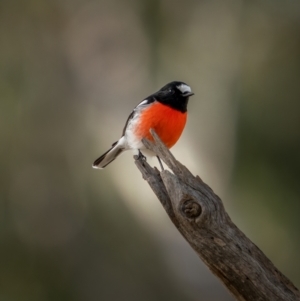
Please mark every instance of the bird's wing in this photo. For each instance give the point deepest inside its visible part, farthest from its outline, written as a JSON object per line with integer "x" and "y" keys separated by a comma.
{"x": 142, "y": 105}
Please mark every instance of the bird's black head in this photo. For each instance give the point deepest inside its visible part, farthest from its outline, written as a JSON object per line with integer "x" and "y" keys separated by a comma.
{"x": 175, "y": 94}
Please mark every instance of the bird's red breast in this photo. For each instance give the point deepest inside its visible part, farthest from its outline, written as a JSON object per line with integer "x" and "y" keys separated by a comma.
{"x": 167, "y": 122}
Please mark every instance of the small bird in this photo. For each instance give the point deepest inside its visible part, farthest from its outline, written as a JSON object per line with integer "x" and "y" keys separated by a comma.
{"x": 164, "y": 111}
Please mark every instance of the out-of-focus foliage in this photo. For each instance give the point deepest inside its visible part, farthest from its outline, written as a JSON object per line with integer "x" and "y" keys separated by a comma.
{"x": 267, "y": 163}
{"x": 71, "y": 71}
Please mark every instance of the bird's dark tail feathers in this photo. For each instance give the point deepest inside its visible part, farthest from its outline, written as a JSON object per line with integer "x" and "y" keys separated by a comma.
{"x": 109, "y": 156}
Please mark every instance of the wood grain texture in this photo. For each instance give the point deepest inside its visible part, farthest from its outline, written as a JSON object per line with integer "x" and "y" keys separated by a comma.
{"x": 199, "y": 215}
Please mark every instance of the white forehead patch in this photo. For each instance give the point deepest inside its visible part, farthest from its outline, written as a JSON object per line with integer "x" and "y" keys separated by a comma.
{"x": 184, "y": 88}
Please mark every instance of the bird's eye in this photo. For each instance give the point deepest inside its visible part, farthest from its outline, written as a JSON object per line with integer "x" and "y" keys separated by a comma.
{"x": 170, "y": 90}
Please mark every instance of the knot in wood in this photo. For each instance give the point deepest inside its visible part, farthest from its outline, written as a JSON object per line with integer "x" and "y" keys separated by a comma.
{"x": 191, "y": 209}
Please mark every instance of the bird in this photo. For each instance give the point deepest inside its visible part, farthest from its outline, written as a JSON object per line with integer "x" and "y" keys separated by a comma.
{"x": 165, "y": 111}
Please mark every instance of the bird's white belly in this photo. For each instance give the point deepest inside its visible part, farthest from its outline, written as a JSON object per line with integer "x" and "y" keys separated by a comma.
{"x": 133, "y": 141}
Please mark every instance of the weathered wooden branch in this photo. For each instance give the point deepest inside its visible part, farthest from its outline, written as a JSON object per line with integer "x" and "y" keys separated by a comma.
{"x": 199, "y": 214}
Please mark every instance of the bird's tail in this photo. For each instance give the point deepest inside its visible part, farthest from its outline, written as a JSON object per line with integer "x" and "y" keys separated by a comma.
{"x": 116, "y": 149}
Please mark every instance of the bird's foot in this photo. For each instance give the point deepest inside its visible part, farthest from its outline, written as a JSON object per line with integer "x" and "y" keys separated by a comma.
{"x": 141, "y": 156}
{"x": 160, "y": 163}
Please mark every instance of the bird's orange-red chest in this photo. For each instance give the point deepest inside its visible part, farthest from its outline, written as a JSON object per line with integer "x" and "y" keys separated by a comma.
{"x": 167, "y": 122}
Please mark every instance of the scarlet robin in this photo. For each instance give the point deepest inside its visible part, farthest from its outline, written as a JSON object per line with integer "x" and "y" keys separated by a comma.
{"x": 164, "y": 111}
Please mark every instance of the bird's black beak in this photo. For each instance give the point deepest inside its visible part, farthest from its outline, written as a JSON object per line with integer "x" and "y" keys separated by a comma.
{"x": 188, "y": 94}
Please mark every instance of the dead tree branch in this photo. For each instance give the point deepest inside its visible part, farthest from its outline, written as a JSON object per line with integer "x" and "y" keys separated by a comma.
{"x": 199, "y": 215}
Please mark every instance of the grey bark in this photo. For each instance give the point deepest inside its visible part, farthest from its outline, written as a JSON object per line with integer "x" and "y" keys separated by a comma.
{"x": 199, "y": 215}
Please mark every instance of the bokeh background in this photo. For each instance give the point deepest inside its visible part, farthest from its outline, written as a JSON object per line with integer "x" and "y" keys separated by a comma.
{"x": 70, "y": 73}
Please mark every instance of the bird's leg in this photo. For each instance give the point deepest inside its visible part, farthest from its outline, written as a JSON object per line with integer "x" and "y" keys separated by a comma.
{"x": 158, "y": 158}
{"x": 141, "y": 156}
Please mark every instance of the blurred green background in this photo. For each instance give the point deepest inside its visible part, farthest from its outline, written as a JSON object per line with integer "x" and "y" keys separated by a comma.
{"x": 70, "y": 73}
